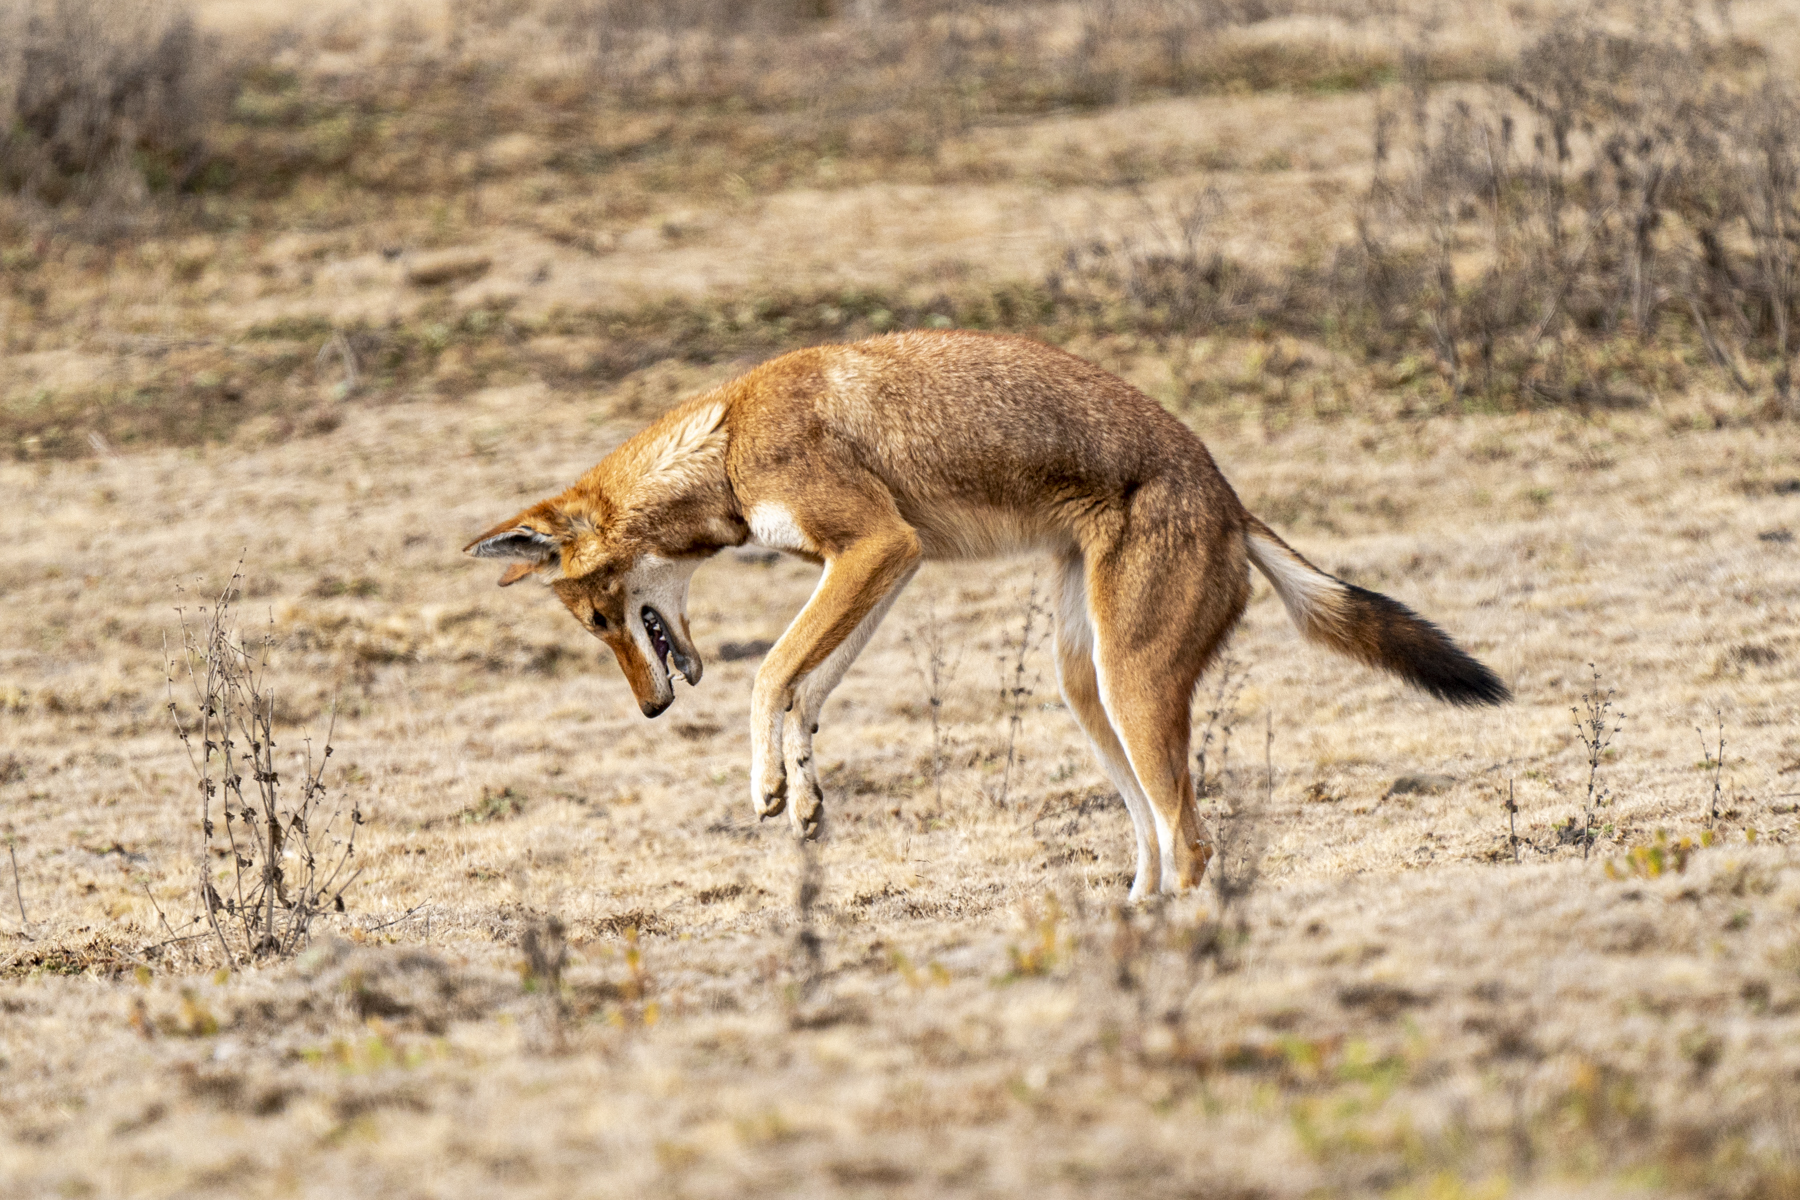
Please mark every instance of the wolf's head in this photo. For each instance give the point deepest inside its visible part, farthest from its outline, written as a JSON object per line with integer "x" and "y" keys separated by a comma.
{"x": 619, "y": 547}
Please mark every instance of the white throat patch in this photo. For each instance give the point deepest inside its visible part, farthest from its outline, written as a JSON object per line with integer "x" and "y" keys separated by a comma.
{"x": 661, "y": 583}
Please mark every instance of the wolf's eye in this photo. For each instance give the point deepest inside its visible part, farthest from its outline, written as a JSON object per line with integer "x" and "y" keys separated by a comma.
{"x": 599, "y": 621}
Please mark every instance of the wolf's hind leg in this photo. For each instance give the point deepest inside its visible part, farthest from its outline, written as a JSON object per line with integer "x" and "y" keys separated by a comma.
{"x": 805, "y": 798}
{"x": 1156, "y": 626}
{"x": 1081, "y": 691}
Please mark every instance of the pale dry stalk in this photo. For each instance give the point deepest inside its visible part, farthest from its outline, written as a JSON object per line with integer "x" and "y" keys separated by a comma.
{"x": 932, "y": 662}
{"x": 1221, "y": 719}
{"x": 18, "y": 893}
{"x": 1512, "y": 821}
{"x": 1714, "y": 763}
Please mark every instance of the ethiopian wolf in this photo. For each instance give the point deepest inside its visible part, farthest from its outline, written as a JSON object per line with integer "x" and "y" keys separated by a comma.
{"x": 874, "y": 457}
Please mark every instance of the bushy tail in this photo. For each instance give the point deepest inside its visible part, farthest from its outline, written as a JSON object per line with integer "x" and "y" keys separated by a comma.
{"x": 1369, "y": 627}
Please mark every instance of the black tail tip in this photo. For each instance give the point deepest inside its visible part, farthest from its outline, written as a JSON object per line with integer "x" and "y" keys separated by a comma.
{"x": 1393, "y": 637}
{"x": 1469, "y": 683}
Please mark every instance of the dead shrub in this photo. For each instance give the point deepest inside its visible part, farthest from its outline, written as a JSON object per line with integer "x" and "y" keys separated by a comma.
{"x": 1627, "y": 187}
{"x": 289, "y": 854}
{"x": 1633, "y": 190}
{"x": 102, "y": 101}
{"x": 1597, "y": 721}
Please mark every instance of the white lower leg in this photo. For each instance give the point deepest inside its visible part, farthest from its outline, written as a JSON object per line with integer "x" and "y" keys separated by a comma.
{"x": 1075, "y": 656}
{"x": 768, "y": 778}
{"x": 1146, "y": 828}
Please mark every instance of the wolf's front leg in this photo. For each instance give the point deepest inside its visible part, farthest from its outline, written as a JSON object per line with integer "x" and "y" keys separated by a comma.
{"x": 856, "y": 582}
{"x": 807, "y": 810}
{"x": 768, "y": 775}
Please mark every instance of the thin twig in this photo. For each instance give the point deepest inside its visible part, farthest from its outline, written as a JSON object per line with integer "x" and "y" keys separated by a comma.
{"x": 339, "y": 345}
{"x": 405, "y": 916}
{"x": 1591, "y": 721}
{"x": 1269, "y": 760}
{"x": 24, "y": 921}
{"x": 936, "y": 670}
{"x": 1569, "y": 280}
{"x": 209, "y": 898}
{"x": 1717, "y": 351}
{"x": 806, "y": 938}
{"x": 1016, "y": 692}
{"x": 150, "y": 896}
{"x": 287, "y": 865}
{"x": 1221, "y": 719}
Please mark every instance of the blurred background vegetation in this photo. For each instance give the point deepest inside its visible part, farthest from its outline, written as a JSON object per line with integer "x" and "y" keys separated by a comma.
{"x": 1571, "y": 203}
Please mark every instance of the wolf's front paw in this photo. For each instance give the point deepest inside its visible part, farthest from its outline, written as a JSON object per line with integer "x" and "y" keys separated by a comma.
{"x": 769, "y": 796}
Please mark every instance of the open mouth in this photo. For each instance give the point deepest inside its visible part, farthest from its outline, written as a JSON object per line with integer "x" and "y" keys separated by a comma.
{"x": 659, "y": 635}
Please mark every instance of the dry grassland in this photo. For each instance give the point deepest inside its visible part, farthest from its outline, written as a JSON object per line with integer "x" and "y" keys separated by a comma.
{"x": 946, "y": 997}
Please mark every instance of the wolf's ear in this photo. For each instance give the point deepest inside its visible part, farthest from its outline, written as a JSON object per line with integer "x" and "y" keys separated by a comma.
{"x": 517, "y": 541}
{"x": 524, "y": 539}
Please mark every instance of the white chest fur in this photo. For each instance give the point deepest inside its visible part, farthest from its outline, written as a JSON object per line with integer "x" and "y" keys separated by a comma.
{"x": 773, "y": 525}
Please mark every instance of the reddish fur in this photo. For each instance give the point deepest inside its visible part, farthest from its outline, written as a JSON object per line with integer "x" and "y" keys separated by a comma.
{"x": 941, "y": 446}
